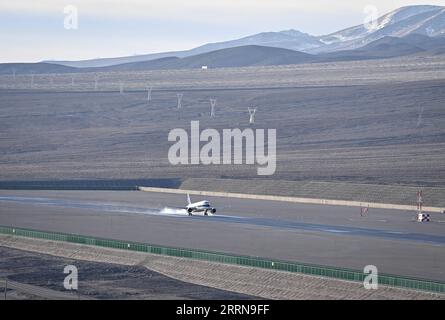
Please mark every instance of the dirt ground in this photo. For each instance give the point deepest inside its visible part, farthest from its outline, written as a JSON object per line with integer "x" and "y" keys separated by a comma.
{"x": 390, "y": 131}
{"x": 97, "y": 280}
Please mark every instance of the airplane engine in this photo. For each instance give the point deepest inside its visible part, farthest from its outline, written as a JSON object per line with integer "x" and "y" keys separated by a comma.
{"x": 213, "y": 210}
{"x": 189, "y": 210}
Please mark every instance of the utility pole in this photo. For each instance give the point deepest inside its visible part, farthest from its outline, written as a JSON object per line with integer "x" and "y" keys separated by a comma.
{"x": 96, "y": 79}
{"x": 252, "y": 112}
{"x": 13, "y": 78}
{"x": 179, "y": 95}
{"x": 32, "y": 79}
{"x": 212, "y": 107}
{"x": 421, "y": 217}
{"x": 149, "y": 89}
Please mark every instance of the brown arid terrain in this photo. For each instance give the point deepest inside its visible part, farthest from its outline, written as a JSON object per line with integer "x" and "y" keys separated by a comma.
{"x": 364, "y": 131}
{"x": 321, "y": 174}
{"x": 378, "y": 122}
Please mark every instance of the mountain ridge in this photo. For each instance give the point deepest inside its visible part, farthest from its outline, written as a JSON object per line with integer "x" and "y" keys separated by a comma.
{"x": 417, "y": 19}
{"x": 253, "y": 55}
{"x": 425, "y": 20}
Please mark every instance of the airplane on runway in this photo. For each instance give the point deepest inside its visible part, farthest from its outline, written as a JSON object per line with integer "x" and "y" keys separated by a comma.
{"x": 201, "y": 206}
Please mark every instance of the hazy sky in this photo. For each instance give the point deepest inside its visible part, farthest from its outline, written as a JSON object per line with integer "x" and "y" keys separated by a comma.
{"x": 34, "y": 30}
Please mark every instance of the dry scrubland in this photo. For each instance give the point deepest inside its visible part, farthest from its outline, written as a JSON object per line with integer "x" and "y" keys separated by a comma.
{"x": 364, "y": 122}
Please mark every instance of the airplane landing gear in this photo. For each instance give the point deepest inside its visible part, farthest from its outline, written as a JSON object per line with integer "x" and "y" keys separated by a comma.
{"x": 205, "y": 213}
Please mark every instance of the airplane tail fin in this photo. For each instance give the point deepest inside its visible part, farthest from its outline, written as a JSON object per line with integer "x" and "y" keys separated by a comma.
{"x": 188, "y": 199}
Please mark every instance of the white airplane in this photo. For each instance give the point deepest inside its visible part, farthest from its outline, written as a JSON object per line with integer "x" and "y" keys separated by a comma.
{"x": 201, "y": 206}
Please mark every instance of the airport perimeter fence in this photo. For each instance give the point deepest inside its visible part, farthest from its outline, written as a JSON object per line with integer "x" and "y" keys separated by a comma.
{"x": 309, "y": 269}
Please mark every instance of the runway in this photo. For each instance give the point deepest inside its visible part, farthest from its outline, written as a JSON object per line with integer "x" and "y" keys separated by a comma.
{"x": 329, "y": 235}
{"x": 273, "y": 223}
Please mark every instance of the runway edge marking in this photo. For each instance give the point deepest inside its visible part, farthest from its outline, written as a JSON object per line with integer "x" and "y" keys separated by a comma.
{"x": 374, "y": 205}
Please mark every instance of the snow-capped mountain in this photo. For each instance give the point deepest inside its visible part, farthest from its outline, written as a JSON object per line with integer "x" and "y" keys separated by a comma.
{"x": 422, "y": 19}
{"x": 287, "y": 39}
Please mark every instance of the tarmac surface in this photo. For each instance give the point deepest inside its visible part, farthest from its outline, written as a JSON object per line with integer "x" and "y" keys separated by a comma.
{"x": 328, "y": 235}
